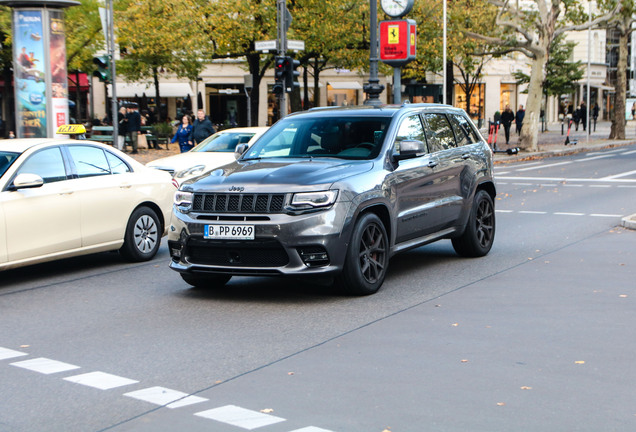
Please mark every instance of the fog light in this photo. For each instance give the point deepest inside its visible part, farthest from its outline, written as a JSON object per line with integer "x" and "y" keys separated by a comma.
{"x": 314, "y": 256}
{"x": 175, "y": 248}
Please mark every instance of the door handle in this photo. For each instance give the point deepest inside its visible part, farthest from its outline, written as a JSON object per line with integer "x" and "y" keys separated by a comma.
{"x": 125, "y": 186}
{"x": 465, "y": 156}
{"x": 432, "y": 163}
{"x": 66, "y": 192}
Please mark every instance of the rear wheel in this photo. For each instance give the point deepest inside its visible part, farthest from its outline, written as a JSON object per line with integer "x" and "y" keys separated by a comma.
{"x": 367, "y": 258}
{"x": 479, "y": 235}
{"x": 143, "y": 235}
{"x": 205, "y": 281}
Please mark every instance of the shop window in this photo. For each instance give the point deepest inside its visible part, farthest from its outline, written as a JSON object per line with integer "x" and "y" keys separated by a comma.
{"x": 475, "y": 108}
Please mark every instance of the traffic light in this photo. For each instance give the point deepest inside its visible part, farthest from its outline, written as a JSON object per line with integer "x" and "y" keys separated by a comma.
{"x": 291, "y": 74}
{"x": 103, "y": 68}
{"x": 279, "y": 75}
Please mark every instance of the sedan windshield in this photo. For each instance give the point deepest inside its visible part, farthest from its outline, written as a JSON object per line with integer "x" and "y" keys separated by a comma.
{"x": 315, "y": 137}
{"x": 6, "y": 159}
{"x": 223, "y": 142}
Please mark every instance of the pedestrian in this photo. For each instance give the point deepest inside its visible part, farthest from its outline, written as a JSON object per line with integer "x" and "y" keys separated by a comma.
{"x": 633, "y": 110}
{"x": 122, "y": 128}
{"x": 595, "y": 111}
{"x": 202, "y": 127}
{"x": 521, "y": 113}
{"x": 576, "y": 117}
{"x": 507, "y": 117}
{"x": 583, "y": 115}
{"x": 184, "y": 135}
{"x": 134, "y": 126}
{"x": 11, "y": 135}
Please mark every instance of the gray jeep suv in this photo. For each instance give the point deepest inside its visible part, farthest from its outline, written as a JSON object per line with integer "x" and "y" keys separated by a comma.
{"x": 336, "y": 192}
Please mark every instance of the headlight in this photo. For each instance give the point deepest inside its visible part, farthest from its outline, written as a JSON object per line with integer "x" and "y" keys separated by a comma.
{"x": 311, "y": 200}
{"x": 183, "y": 200}
{"x": 192, "y": 171}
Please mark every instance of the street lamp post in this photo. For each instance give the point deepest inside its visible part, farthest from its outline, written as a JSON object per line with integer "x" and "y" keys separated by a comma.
{"x": 373, "y": 88}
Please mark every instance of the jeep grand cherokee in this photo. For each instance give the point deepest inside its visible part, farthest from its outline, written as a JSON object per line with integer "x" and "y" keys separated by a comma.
{"x": 337, "y": 192}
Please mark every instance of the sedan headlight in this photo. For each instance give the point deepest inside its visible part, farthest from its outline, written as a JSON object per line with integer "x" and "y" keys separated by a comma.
{"x": 183, "y": 201}
{"x": 192, "y": 171}
{"x": 313, "y": 200}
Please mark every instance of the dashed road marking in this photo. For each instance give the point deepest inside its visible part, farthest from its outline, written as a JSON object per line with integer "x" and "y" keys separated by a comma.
{"x": 569, "y": 214}
{"x": 101, "y": 380}
{"x": 6, "y": 353}
{"x": 559, "y": 213}
{"x": 164, "y": 396}
{"x": 241, "y": 417}
{"x": 311, "y": 429}
{"x": 45, "y": 366}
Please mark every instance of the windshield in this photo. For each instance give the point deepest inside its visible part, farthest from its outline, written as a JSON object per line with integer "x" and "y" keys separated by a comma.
{"x": 318, "y": 136}
{"x": 6, "y": 159}
{"x": 223, "y": 142}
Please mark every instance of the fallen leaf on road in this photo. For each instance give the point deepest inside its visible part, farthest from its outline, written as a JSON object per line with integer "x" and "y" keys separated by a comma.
{"x": 290, "y": 373}
{"x": 500, "y": 404}
{"x": 526, "y": 388}
{"x": 464, "y": 361}
{"x": 267, "y": 410}
{"x": 623, "y": 295}
{"x": 24, "y": 346}
{"x": 579, "y": 362}
{"x": 455, "y": 325}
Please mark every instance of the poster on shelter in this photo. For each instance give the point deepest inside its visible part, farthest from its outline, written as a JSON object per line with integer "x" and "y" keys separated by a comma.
{"x": 59, "y": 82}
{"x": 30, "y": 83}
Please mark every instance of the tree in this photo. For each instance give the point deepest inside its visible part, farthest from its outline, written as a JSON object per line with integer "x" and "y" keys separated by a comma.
{"x": 531, "y": 31}
{"x": 622, "y": 23}
{"x": 156, "y": 38}
{"x": 6, "y": 67}
{"x": 561, "y": 75}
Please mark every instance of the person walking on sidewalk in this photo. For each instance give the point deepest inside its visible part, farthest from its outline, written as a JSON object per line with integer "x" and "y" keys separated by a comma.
{"x": 521, "y": 113}
{"x": 134, "y": 126}
{"x": 202, "y": 127}
{"x": 507, "y": 117}
{"x": 583, "y": 115}
{"x": 122, "y": 128}
{"x": 184, "y": 134}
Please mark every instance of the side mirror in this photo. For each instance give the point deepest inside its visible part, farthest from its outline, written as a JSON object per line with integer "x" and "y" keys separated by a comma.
{"x": 27, "y": 181}
{"x": 408, "y": 149}
{"x": 239, "y": 150}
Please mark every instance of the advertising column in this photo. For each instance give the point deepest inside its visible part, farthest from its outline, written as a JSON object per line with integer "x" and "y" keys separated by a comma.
{"x": 39, "y": 59}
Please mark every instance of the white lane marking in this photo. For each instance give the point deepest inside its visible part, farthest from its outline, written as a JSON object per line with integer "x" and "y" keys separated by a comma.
{"x": 504, "y": 211}
{"x": 625, "y": 174}
{"x": 564, "y": 179}
{"x": 532, "y": 212}
{"x": 593, "y": 158}
{"x": 545, "y": 166}
{"x": 571, "y": 185}
{"x": 164, "y": 396}
{"x": 569, "y": 214}
{"x": 241, "y": 417}
{"x": 311, "y": 429}
{"x": 548, "y": 185}
{"x": 600, "y": 186}
{"x": 6, "y": 353}
{"x": 626, "y": 186}
{"x": 628, "y": 152}
{"x": 605, "y": 215}
{"x": 522, "y": 184}
{"x": 504, "y": 172}
{"x": 100, "y": 380}
{"x": 45, "y": 366}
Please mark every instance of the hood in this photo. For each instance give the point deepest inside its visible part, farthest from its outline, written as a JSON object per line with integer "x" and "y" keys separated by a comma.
{"x": 187, "y": 160}
{"x": 278, "y": 174}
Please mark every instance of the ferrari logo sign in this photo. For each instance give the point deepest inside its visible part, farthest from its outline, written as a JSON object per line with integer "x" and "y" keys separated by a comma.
{"x": 397, "y": 41}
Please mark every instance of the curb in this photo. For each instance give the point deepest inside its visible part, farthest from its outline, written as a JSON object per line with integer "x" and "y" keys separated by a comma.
{"x": 629, "y": 222}
{"x": 560, "y": 151}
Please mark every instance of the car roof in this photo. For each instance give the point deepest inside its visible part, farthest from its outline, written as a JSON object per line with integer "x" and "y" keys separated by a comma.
{"x": 20, "y": 145}
{"x": 255, "y": 129}
{"x": 388, "y": 110}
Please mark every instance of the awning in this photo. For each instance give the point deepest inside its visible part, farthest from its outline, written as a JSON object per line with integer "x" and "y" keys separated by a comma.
{"x": 83, "y": 81}
{"x": 345, "y": 85}
{"x": 165, "y": 90}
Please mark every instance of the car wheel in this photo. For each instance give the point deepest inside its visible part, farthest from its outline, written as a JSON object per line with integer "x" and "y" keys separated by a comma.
{"x": 143, "y": 235}
{"x": 367, "y": 257}
{"x": 205, "y": 281}
{"x": 479, "y": 233}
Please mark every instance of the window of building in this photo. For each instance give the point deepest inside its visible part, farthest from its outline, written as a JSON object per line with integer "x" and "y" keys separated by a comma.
{"x": 507, "y": 96}
{"x": 475, "y": 108}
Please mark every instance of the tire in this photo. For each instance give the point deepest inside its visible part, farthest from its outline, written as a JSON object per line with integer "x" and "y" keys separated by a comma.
{"x": 367, "y": 257}
{"x": 205, "y": 281}
{"x": 143, "y": 235}
{"x": 479, "y": 234}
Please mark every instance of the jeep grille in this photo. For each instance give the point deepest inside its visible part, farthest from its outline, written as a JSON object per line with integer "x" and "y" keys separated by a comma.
{"x": 238, "y": 203}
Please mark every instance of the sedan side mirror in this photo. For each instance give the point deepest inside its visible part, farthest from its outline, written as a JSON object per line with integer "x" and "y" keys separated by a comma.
{"x": 239, "y": 150}
{"x": 408, "y": 149}
{"x": 27, "y": 181}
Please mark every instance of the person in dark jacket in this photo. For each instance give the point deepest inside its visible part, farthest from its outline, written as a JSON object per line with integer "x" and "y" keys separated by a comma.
{"x": 507, "y": 117}
{"x": 122, "y": 128}
{"x": 521, "y": 113}
{"x": 134, "y": 125}
{"x": 184, "y": 135}
{"x": 202, "y": 127}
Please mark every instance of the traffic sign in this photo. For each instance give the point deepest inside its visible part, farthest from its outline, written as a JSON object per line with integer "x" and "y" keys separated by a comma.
{"x": 268, "y": 45}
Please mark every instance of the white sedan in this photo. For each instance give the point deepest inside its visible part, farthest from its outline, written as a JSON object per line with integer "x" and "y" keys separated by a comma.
{"x": 213, "y": 152}
{"x": 62, "y": 197}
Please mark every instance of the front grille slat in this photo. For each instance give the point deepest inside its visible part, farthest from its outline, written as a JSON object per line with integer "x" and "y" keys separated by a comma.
{"x": 238, "y": 203}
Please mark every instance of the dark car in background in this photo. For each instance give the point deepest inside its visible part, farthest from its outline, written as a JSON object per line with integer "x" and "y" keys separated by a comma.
{"x": 336, "y": 192}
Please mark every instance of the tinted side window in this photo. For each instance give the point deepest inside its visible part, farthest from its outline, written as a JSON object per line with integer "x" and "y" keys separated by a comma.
{"x": 440, "y": 132}
{"x": 47, "y": 163}
{"x": 89, "y": 161}
{"x": 117, "y": 166}
{"x": 463, "y": 130}
{"x": 411, "y": 129}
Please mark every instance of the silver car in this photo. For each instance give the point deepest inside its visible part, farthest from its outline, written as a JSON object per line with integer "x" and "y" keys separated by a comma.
{"x": 336, "y": 193}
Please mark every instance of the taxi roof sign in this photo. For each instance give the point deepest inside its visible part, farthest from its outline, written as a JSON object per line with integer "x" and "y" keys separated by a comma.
{"x": 71, "y": 129}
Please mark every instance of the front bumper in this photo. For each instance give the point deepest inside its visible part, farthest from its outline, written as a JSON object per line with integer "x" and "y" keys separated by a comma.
{"x": 284, "y": 244}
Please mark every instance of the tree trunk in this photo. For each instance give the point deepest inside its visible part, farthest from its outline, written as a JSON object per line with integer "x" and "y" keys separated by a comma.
{"x": 253, "y": 61}
{"x": 530, "y": 131}
{"x": 316, "y": 84}
{"x": 155, "y": 75}
{"x": 617, "y": 130}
